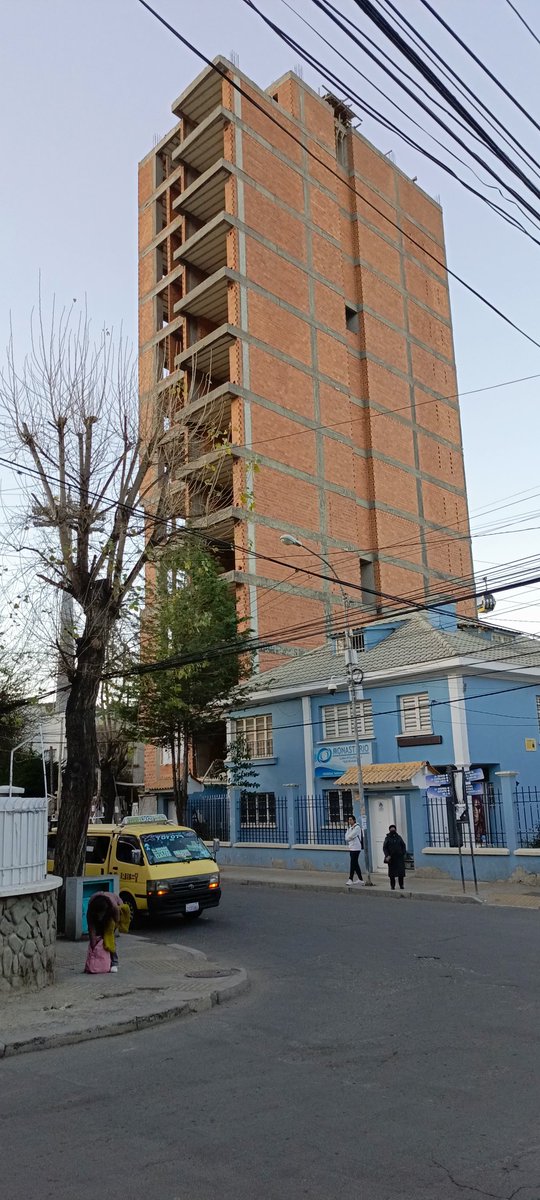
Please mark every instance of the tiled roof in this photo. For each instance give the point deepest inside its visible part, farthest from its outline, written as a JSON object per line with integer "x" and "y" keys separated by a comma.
{"x": 413, "y": 642}
{"x": 374, "y": 773}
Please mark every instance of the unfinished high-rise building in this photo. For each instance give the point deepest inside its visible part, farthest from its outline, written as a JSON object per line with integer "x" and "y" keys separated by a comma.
{"x": 295, "y": 323}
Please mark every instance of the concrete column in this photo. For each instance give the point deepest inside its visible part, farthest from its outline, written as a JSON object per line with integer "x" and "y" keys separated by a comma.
{"x": 291, "y": 794}
{"x": 508, "y": 779}
{"x": 234, "y": 814}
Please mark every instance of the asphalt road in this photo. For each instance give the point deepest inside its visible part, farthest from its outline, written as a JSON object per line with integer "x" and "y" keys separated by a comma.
{"x": 386, "y": 1050}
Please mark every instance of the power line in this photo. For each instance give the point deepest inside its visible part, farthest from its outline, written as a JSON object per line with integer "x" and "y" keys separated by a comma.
{"x": 369, "y": 10}
{"x": 523, "y": 21}
{"x": 350, "y": 187}
{"x": 525, "y": 112}
{"x": 477, "y": 103}
{"x": 333, "y": 80}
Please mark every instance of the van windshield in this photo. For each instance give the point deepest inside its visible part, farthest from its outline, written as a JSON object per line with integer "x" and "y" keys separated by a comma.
{"x": 173, "y": 846}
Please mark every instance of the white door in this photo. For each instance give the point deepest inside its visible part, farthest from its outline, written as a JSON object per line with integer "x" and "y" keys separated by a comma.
{"x": 381, "y": 815}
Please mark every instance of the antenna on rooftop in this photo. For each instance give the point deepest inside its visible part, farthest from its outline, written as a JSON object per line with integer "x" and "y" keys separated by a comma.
{"x": 298, "y": 70}
{"x": 235, "y": 58}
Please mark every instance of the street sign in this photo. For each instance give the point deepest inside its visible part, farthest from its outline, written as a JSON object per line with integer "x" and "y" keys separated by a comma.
{"x": 474, "y": 775}
{"x": 437, "y": 780}
{"x": 438, "y": 793}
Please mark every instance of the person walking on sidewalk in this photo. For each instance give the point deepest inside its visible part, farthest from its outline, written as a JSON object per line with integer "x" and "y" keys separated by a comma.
{"x": 355, "y": 842}
{"x": 394, "y": 850}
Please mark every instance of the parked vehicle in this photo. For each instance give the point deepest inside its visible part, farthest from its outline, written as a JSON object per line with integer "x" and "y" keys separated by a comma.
{"x": 163, "y": 869}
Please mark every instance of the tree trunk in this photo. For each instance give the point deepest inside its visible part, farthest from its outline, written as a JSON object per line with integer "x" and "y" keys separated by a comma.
{"x": 82, "y": 757}
{"x": 108, "y": 791}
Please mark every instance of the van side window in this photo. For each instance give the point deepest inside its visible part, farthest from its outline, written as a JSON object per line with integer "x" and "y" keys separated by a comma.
{"x": 97, "y": 849}
{"x": 125, "y": 847}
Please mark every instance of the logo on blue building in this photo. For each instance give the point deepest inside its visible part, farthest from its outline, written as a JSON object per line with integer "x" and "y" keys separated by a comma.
{"x": 333, "y": 761}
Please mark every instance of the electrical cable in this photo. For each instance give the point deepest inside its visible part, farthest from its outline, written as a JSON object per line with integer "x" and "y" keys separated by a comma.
{"x": 525, "y": 112}
{"x": 463, "y": 87}
{"x": 412, "y": 57}
{"x": 523, "y": 21}
{"x": 369, "y": 10}
{"x": 350, "y": 187}
{"x": 332, "y": 80}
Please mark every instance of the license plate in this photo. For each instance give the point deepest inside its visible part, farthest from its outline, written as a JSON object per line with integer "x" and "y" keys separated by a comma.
{"x": 194, "y": 907}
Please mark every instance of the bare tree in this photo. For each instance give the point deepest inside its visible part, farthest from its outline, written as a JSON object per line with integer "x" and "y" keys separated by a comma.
{"x": 98, "y": 507}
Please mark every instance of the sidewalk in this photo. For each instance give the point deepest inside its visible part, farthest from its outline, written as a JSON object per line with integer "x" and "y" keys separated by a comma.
{"x": 155, "y": 983}
{"x": 512, "y": 895}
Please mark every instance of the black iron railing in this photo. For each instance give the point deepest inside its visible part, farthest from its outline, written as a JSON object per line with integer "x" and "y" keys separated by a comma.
{"x": 527, "y": 816}
{"x": 262, "y": 817}
{"x": 485, "y": 823}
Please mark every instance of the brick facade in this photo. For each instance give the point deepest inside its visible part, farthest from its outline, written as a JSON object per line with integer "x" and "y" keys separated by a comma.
{"x": 328, "y": 359}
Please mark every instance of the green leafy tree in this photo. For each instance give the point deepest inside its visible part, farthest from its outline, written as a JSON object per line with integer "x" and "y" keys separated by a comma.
{"x": 193, "y": 611}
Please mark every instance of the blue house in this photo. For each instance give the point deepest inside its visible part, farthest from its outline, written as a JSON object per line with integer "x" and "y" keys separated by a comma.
{"x": 437, "y": 691}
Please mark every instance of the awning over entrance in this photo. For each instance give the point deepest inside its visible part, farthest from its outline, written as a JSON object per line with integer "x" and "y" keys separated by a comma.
{"x": 383, "y": 774}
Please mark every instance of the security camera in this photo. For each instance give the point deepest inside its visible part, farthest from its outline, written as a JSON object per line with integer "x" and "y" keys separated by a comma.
{"x": 332, "y": 687}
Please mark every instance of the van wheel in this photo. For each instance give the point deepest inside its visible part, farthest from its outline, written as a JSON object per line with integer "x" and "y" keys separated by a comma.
{"x": 127, "y": 898}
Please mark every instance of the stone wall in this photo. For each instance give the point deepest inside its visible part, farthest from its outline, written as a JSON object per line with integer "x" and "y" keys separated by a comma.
{"x": 27, "y": 940}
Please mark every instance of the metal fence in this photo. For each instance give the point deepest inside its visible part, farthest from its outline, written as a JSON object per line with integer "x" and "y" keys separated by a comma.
{"x": 23, "y": 840}
{"x": 527, "y": 817}
{"x": 486, "y": 823}
{"x": 262, "y": 817}
{"x": 209, "y": 815}
{"x": 322, "y": 820}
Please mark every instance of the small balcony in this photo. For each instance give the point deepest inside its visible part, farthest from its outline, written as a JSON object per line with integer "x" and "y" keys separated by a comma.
{"x": 207, "y": 248}
{"x": 210, "y": 355}
{"x": 209, "y": 299}
{"x": 205, "y": 198}
{"x": 204, "y": 145}
{"x": 202, "y": 95}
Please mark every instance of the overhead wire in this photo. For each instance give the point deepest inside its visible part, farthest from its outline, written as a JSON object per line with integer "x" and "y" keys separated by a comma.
{"x": 333, "y": 80}
{"x": 523, "y": 21}
{"x": 378, "y": 18}
{"x": 270, "y": 116}
{"x": 494, "y": 78}
{"x": 463, "y": 87}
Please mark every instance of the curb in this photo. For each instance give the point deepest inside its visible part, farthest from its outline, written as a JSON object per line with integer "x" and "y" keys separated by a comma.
{"x": 225, "y": 990}
{"x": 373, "y": 891}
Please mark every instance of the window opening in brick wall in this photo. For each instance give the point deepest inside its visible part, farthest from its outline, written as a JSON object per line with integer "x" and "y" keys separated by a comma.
{"x": 351, "y": 319}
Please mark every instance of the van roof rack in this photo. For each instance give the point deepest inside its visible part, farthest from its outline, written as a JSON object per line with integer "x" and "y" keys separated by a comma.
{"x": 147, "y": 819}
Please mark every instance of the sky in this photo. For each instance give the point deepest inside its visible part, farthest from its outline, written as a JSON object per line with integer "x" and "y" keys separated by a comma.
{"x": 86, "y": 90}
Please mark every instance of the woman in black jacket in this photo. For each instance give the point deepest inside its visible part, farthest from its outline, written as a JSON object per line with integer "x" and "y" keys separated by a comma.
{"x": 394, "y": 850}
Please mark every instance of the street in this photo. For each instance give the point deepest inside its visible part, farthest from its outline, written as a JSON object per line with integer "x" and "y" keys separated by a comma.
{"x": 386, "y": 1049}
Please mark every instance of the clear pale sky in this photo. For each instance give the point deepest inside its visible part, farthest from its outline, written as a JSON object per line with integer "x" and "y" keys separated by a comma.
{"x": 85, "y": 90}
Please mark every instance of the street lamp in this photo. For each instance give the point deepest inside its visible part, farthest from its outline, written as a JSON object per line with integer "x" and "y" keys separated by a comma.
{"x": 354, "y": 677}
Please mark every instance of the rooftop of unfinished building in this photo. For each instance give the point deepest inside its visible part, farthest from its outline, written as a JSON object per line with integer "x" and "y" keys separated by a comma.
{"x": 198, "y": 98}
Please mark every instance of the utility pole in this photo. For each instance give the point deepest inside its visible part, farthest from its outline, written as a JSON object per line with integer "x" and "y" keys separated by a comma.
{"x": 354, "y": 680}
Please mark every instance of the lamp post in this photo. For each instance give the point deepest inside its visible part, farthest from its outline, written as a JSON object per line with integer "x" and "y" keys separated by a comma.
{"x": 354, "y": 677}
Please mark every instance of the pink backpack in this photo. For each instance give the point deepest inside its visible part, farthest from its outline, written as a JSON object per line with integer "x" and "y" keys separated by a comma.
{"x": 98, "y": 959}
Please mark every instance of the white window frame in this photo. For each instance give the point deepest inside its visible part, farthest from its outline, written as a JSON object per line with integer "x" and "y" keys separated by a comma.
{"x": 259, "y": 798}
{"x": 256, "y": 733}
{"x": 337, "y": 721}
{"x": 415, "y": 713}
{"x": 340, "y": 794}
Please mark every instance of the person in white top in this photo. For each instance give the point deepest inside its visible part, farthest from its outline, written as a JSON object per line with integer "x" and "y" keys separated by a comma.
{"x": 355, "y": 842}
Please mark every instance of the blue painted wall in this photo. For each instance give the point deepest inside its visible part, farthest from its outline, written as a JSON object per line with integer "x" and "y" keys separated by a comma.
{"x": 498, "y": 725}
